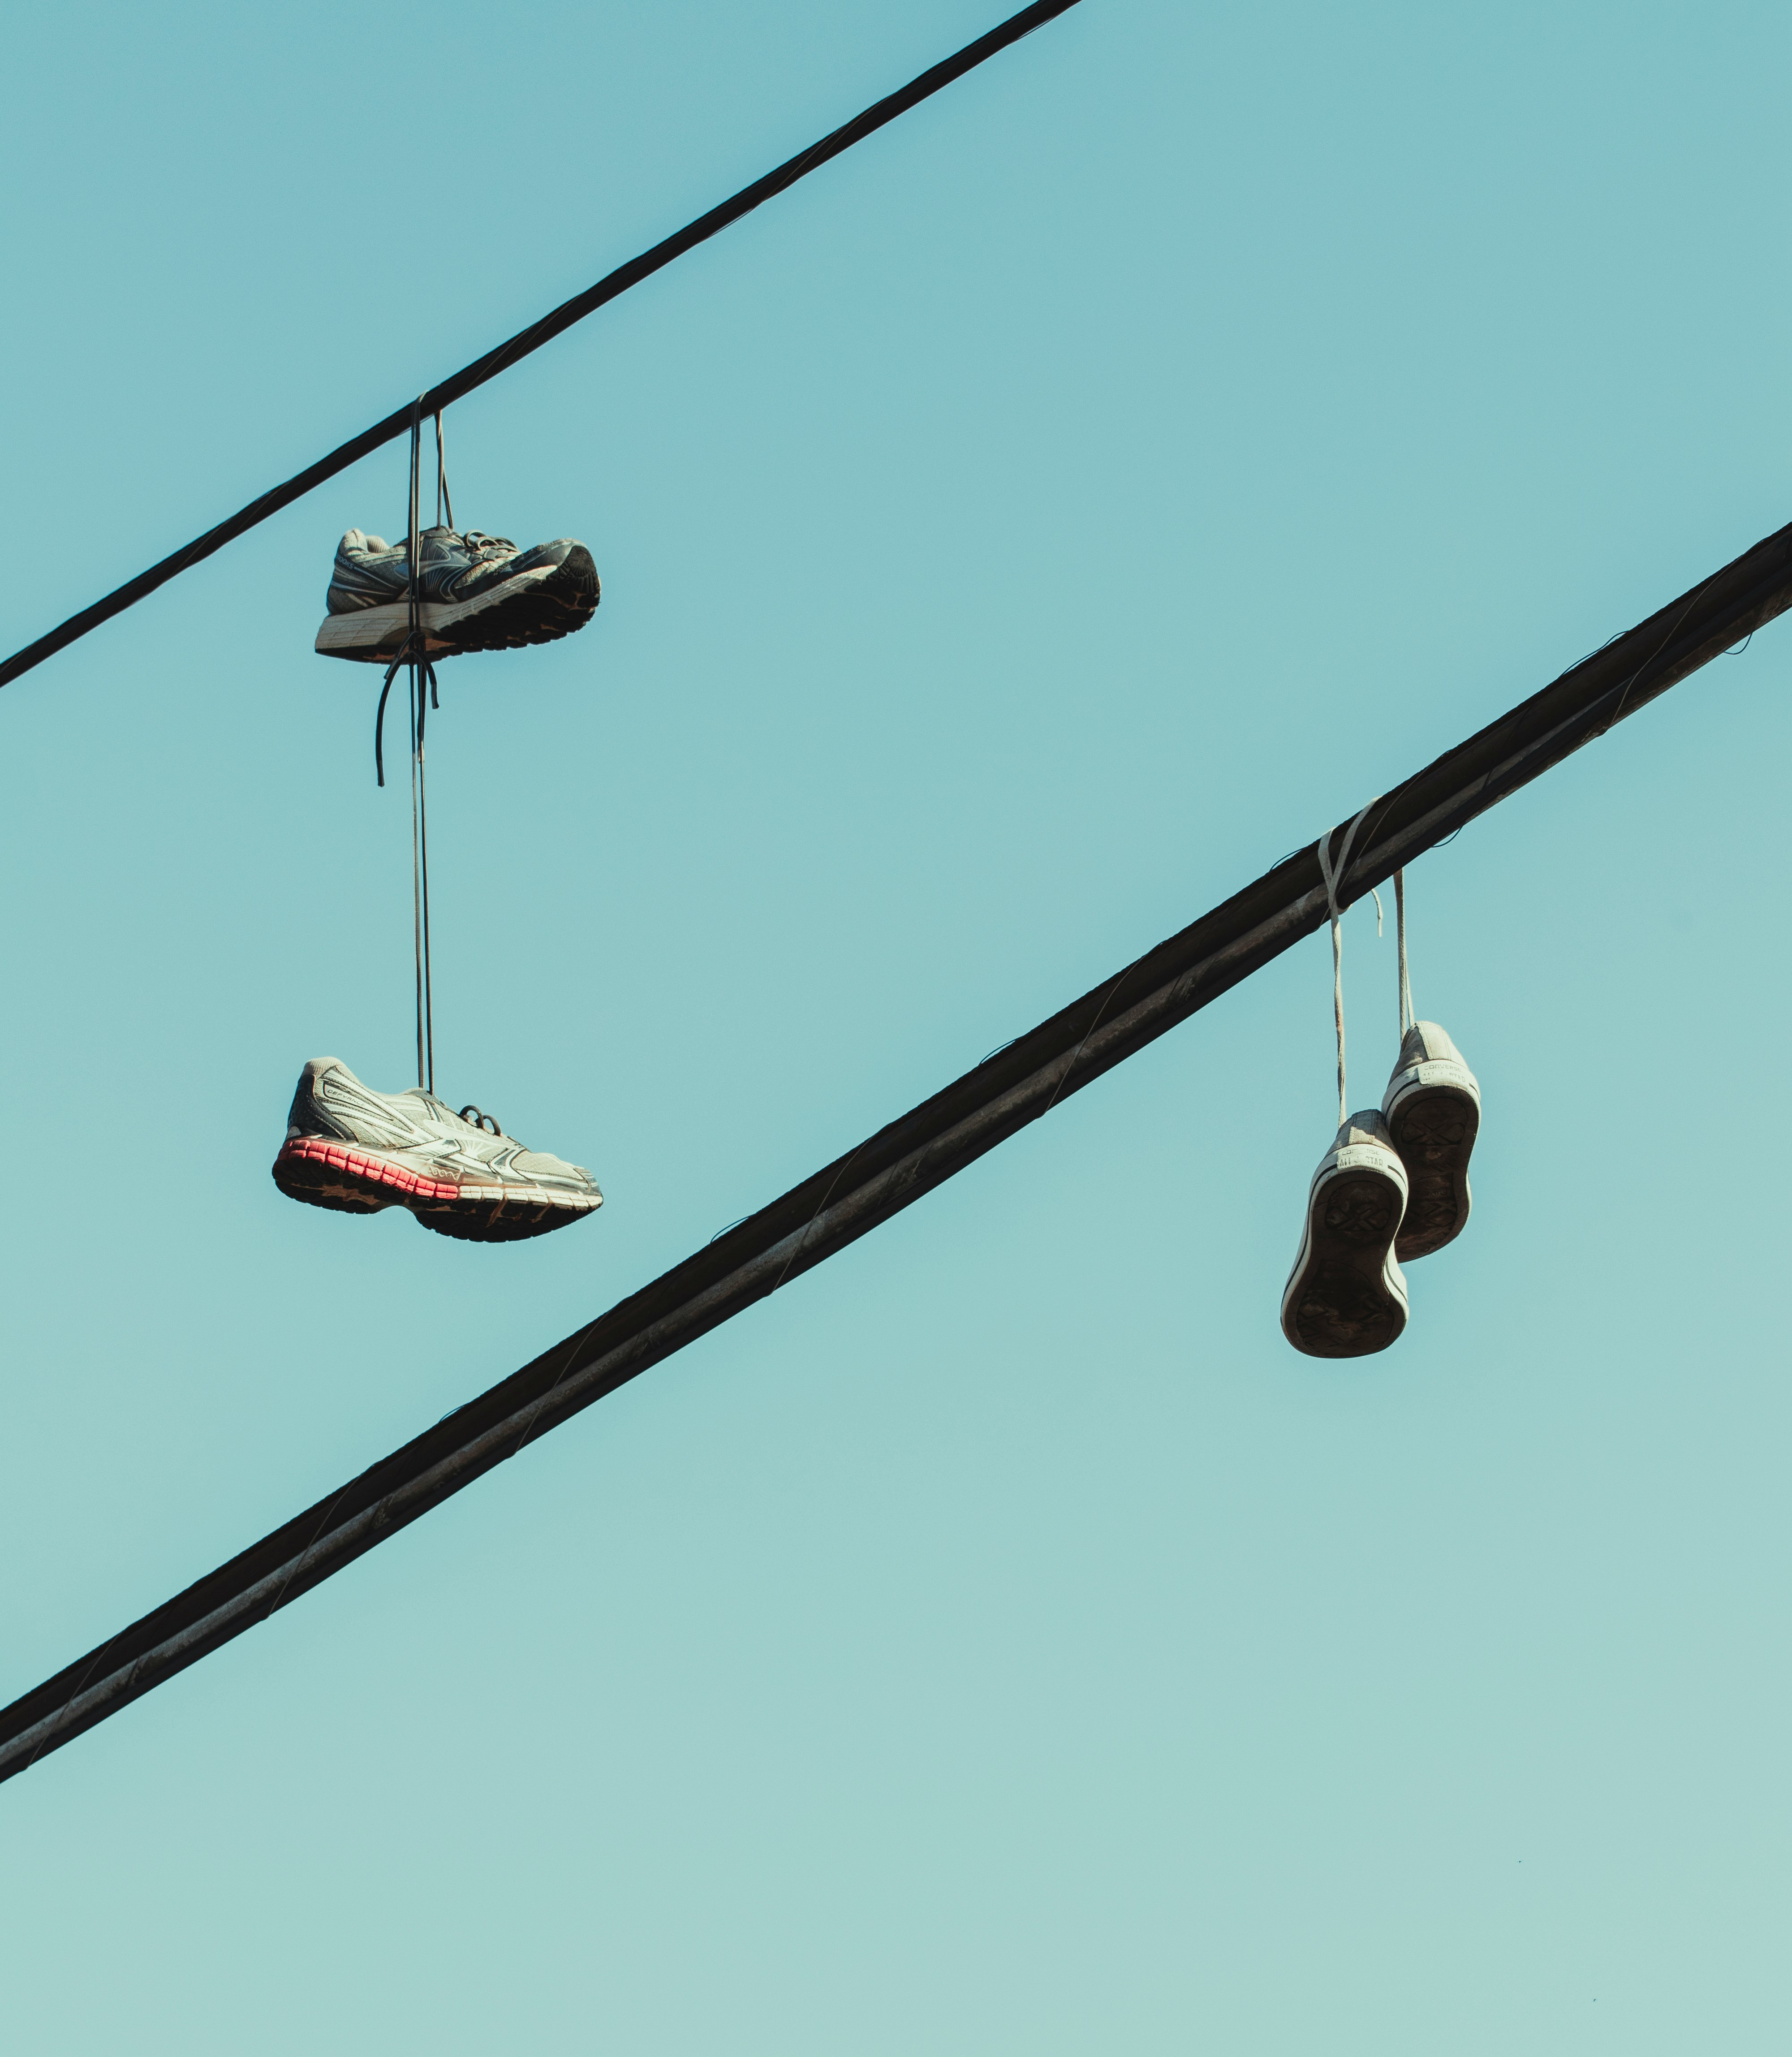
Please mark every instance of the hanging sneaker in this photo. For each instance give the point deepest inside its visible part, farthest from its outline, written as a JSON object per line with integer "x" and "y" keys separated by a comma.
{"x": 479, "y": 592}
{"x": 1432, "y": 1110}
{"x": 1346, "y": 1296}
{"x": 358, "y": 1151}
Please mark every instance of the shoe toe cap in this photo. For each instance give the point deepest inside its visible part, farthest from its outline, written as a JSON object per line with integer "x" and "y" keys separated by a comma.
{"x": 550, "y": 1170}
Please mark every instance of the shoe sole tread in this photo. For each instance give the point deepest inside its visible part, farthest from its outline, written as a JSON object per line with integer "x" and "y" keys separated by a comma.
{"x": 1434, "y": 1129}
{"x": 349, "y": 1178}
{"x": 1340, "y": 1301}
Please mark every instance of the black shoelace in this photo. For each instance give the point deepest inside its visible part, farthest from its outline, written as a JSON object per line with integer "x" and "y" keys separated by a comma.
{"x": 414, "y": 653}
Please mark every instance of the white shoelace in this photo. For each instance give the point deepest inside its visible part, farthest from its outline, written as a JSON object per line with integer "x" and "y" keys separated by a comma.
{"x": 1333, "y": 877}
{"x": 1406, "y": 1016}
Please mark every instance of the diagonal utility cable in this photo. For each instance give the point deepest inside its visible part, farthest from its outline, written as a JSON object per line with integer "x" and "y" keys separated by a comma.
{"x": 398, "y": 423}
{"x": 839, "y": 1203}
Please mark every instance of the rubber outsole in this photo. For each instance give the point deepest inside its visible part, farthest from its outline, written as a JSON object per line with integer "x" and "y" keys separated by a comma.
{"x": 1339, "y": 1302}
{"x": 1433, "y": 1128}
{"x": 349, "y": 1180}
{"x": 536, "y": 607}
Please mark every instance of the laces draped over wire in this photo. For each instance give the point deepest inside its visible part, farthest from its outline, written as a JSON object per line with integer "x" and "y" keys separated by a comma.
{"x": 1333, "y": 876}
{"x": 414, "y": 647}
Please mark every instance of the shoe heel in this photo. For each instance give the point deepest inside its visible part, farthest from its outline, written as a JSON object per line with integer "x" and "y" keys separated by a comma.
{"x": 1434, "y": 1130}
{"x": 1361, "y": 1210}
{"x": 1346, "y": 1296}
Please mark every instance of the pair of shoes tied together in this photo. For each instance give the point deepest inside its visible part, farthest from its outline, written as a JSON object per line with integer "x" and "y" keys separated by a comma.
{"x": 1393, "y": 1186}
{"x": 356, "y": 1150}
{"x": 475, "y": 592}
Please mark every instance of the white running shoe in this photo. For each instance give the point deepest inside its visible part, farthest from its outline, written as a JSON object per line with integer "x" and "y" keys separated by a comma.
{"x": 1346, "y": 1296}
{"x": 357, "y": 1150}
{"x": 1432, "y": 1110}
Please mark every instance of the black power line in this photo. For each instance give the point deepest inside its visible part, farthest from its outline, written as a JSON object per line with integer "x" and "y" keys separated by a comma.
{"x": 544, "y": 331}
{"x": 885, "y": 1173}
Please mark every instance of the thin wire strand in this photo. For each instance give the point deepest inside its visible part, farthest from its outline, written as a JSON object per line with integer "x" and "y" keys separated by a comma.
{"x": 416, "y": 882}
{"x": 443, "y": 498}
{"x": 423, "y": 840}
{"x": 414, "y": 651}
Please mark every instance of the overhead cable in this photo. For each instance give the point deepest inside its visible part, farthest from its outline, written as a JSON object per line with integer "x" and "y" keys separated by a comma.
{"x": 1011, "y": 1087}
{"x": 398, "y": 423}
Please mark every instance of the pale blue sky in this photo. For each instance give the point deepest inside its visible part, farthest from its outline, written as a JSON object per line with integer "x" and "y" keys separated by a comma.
{"x": 1013, "y": 541}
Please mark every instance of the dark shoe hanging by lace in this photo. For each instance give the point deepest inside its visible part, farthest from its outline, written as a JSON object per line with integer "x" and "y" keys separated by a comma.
{"x": 477, "y": 592}
{"x": 355, "y": 1152}
{"x": 1345, "y": 1296}
{"x": 1432, "y": 1110}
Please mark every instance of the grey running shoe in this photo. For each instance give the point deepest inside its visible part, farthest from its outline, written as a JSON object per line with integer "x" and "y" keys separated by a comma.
{"x": 479, "y": 592}
{"x": 1346, "y": 1296}
{"x": 1432, "y": 1110}
{"x": 358, "y": 1151}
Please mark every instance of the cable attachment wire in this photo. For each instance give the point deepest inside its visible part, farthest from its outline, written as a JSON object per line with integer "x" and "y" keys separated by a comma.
{"x": 1333, "y": 877}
